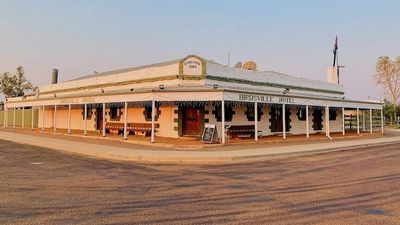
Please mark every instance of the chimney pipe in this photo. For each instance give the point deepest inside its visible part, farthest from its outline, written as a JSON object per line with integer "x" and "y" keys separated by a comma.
{"x": 54, "y": 76}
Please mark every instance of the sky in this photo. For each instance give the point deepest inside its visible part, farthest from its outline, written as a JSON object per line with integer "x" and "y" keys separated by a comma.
{"x": 288, "y": 36}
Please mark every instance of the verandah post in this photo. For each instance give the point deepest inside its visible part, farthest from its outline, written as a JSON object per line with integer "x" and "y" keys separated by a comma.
{"x": 363, "y": 119}
{"x": 55, "y": 119}
{"x": 43, "y": 117}
{"x": 223, "y": 121}
{"x": 284, "y": 121}
{"x": 153, "y": 115}
{"x": 104, "y": 119}
{"x": 307, "y": 123}
{"x": 69, "y": 119}
{"x": 358, "y": 121}
{"x": 327, "y": 128}
{"x": 126, "y": 120}
{"x": 255, "y": 121}
{"x": 343, "y": 122}
{"x": 85, "y": 121}
{"x": 382, "y": 121}
{"x": 370, "y": 121}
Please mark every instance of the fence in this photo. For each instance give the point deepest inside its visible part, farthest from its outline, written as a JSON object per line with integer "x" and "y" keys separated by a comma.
{"x": 18, "y": 117}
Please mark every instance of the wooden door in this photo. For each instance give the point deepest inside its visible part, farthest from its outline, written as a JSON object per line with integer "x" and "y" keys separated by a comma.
{"x": 191, "y": 121}
{"x": 276, "y": 119}
{"x": 317, "y": 119}
{"x": 99, "y": 118}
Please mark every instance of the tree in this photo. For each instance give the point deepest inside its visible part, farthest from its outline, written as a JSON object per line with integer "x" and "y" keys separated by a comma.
{"x": 387, "y": 76}
{"x": 15, "y": 85}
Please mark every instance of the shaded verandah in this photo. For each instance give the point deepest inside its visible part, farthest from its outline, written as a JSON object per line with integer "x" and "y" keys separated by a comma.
{"x": 156, "y": 98}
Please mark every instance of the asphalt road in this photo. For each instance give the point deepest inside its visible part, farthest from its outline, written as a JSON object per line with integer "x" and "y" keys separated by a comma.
{"x": 40, "y": 186}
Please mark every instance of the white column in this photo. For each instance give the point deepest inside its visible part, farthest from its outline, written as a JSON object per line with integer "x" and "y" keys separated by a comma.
{"x": 55, "y": 119}
{"x": 43, "y": 118}
{"x": 14, "y": 118}
{"x": 69, "y": 119}
{"x": 125, "y": 121}
{"x": 358, "y": 121}
{"x": 104, "y": 119}
{"x": 23, "y": 118}
{"x": 370, "y": 121}
{"x": 33, "y": 117}
{"x": 85, "y": 121}
{"x": 223, "y": 122}
{"x": 284, "y": 121}
{"x": 382, "y": 121}
{"x": 343, "y": 122}
{"x": 307, "y": 123}
{"x": 327, "y": 128}
{"x": 363, "y": 119}
{"x": 153, "y": 115}
{"x": 255, "y": 121}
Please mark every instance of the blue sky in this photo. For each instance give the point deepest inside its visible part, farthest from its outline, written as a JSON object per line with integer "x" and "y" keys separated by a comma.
{"x": 292, "y": 37}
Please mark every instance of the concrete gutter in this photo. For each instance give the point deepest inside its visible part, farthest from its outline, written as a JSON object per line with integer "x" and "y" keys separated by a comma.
{"x": 193, "y": 156}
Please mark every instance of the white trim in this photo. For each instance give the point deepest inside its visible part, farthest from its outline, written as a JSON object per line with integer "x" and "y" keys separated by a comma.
{"x": 255, "y": 121}
{"x": 284, "y": 121}
{"x": 126, "y": 120}
{"x": 104, "y": 119}
{"x": 69, "y": 119}
{"x": 55, "y": 119}
{"x": 358, "y": 121}
{"x": 370, "y": 121}
{"x": 153, "y": 115}
{"x": 85, "y": 121}
{"x": 307, "y": 123}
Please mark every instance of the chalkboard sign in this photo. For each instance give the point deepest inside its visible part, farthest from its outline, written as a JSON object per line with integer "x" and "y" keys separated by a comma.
{"x": 209, "y": 134}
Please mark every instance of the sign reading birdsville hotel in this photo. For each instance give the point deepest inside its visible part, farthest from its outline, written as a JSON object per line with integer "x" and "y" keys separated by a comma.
{"x": 265, "y": 98}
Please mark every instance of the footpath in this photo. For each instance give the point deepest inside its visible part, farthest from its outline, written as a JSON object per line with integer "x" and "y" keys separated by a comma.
{"x": 138, "y": 154}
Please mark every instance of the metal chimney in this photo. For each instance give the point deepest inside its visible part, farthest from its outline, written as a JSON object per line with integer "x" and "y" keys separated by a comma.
{"x": 54, "y": 76}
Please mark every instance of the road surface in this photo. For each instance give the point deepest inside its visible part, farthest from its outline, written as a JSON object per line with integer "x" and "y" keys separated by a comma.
{"x": 41, "y": 186}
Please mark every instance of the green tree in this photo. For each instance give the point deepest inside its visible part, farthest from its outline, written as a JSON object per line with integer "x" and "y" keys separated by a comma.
{"x": 15, "y": 85}
{"x": 387, "y": 76}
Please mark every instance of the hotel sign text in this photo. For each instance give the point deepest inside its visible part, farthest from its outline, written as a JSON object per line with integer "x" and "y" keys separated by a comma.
{"x": 265, "y": 98}
{"x": 77, "y": 100}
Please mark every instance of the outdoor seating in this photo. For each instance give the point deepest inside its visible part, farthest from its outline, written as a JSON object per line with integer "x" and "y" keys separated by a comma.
{"x": 131, "y": 128}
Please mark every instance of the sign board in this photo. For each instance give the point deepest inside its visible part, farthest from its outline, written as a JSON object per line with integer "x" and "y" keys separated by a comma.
{"x": 192, "y": 66}
{"x": 209, "y": 134}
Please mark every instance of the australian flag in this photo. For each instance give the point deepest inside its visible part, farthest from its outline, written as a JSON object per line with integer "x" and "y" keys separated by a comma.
{"x": 335, "y": 46}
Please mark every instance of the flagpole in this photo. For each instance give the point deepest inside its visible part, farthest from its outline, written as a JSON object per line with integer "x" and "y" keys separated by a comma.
{"x": 337, "y": 64}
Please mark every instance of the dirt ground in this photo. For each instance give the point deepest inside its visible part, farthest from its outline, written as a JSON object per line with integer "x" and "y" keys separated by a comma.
{"x": 360, "y": 186}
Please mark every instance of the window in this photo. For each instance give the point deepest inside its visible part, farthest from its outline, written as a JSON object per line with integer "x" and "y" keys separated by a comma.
{"x": 250, "y": 113}
{"x": 115, "y": 113}
{"x": 301, "y": 114}
{"x": 228, "y": 113}
{"x": 147, "y": 113}
{"x": 332, "y": 114}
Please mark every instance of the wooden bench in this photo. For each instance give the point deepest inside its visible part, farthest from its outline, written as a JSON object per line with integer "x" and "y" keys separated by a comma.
{"x": 131, "y": 128}
{"x": 236, "y": 130}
